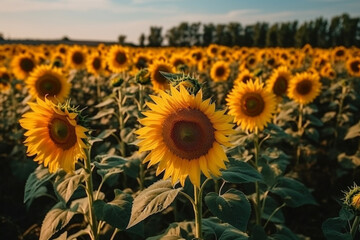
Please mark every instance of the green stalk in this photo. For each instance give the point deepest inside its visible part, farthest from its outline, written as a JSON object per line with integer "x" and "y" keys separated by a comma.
{"x": 142, "y": 169}
{"x": 257, "y": 189}
{"x": 355, "y": 226}
{"x": 300, "y": 133}
{"x": 338, "y": 117}
{"x": 198, "y": 212}
{"x": 90, "y": 195}
{"x": 121, "y": 122}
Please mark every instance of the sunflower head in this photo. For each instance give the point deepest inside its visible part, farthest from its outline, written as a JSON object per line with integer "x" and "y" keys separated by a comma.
{"x": 352, "y": 199}
{"x": 95, "y": 64}
{"x": 22, "y": 65}
{"x": 304, "y": 87}
{"x": 279, "y": 81}
{"x": 48, "y": 81}
{"x": 118, "y": 58}
{"x": 353, "y": 66}
{"x": 53, "y": 135}
{"x": 76, "y": 57}
{"x": 5, "y": 79}
{"x": 158, "y": 81}
{"x": 220, "y": 71}
{"x": 244, "y": 76}
{"x": 251, "y": 105}
{"x": 184, "y": 134}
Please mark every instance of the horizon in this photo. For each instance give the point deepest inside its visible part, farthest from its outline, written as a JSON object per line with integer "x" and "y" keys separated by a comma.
{"x": 56, "y": 19}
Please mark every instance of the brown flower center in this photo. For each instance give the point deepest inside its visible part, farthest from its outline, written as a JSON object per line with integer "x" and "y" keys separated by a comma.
{"x": 96, "y": 63}
{"x": 188, "y": 133}
{"x": 252, "y": 104}
{"x": 120, "y": 58}
{"x": 340, "y": 53}
{"x": 78, "y": 58}
{"x": 5, "y": 77}
{"x": 178, "y": 62}
{"x": 61, "y": 132}
{"x": 245, "y": 78}
{"x": 220, "y": 71}
{"x": 355, "y": 66}
{"x": 48, "y": 84}
{"x": 158, "y": 76}
{"x": 141, "y": 63}
{"x": 304, "y": 87}
{"x": 280, "y": 86}
{"x": 26, "y": 64}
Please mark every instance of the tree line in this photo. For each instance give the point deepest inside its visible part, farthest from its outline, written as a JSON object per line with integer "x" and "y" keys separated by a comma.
{"x": 340, "y": 30}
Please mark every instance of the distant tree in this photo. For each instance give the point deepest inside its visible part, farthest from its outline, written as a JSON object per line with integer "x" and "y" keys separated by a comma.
{"x": 208, "y": 34}
{"x": 194, "y": 33}
{"x": 2, "y": 37}
{"x": 222, "y": 36}
{"x": 351, "y": 28}
{"x": 234, "y": 29}
{"x": 271, "y": 36}
{"x": 248, "y": 39}
{"x": 260, "y": 30}
{"x": 65, "y": 38}
{"x": 335, "y": 32}
{"x": 155, "y": 38}
{"x": 142, "y": 40}
{"x": 301, "y": 35}
{"x": 122, "y": 39}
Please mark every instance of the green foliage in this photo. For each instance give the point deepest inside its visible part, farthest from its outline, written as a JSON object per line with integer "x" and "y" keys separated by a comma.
{"x": 116, "y": 212}
{"x": 240, "y": 172}
{"x": 231, "y": 207}
{"x": 154, "y": 199}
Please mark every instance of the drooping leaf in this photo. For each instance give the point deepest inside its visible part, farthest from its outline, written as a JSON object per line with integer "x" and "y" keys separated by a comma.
{"x": 117, "y": 212}
{"x": 233, "y": 234}
{"x": 354, "y": 131}
{"x": 231, "y": 207}
{"x": 177, "y": 231}
{"x": 34, "y": 185}
{"x": 293, "y": 192}
{"x": 103, "y": 113}
{"x": 270, "y": 206}
{"x": 154, "y": 199}
{"x": 284, "y": 233}
{"x": 105, "y": 102}
{"x": 55, "y": 220}
{"x": 240, "y": 172}
{"x": 334, "y": 229}
{"x": 66, "y": 184}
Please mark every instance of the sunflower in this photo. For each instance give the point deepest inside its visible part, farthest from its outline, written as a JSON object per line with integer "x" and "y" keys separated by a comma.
{"x": 196, "y": 55}
{"x": 339, "y": 54}
{"x": 5, "y": 79}
{"x": 48, "y": 81}
{"x": 95, "y": 64}
{"x": 141, "y": 60}
{"x": 353, "y": 66}
{"x": 76, "y": 57}
{"x": 304, "y": 87}
{"x": 117, "y": 58}
{"x": 22, "y": 65}
{"x": 184, "y": 134}
{"x": 177, "y": 60}
{"x": 53, "y": 135}
{"x": 244, "y": 76}
{"x": 212, "y": 50}
{"x": 278, "y": 82}
{"x": 158, "y": 81}
{"x": 220, "y": 71}
{"x": 251, "y": 105}
{"x": 328, "y": 71}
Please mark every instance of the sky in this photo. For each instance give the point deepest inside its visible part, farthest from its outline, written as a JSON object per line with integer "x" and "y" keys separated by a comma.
{"x": 105, "y": 20}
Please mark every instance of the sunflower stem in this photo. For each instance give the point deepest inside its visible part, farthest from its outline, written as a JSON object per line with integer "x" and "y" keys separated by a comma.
{"x": 142, "y": 169}
{"x": 90, "y": 195}
{"x": 273, "y": 213}
{"x": 198, "y": 212}
{"x": 300, "y": 133}
{"x": 338, "y": 117}
{"x": 121, "y": 122}
{"x": 355, "y": 227}
{"x": 257, "y": 189}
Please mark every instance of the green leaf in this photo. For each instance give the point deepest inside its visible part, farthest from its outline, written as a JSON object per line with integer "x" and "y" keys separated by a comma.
{"x": 315, "y": 121}
{"x": 270, "y": 205}
{"x": 231, "y": 207}
{"x": 110, "y": 165}
{"x": 284, "y": 233}
{"x": 335, "y": 229}
{"x": 258, "y": 233}
{"x": 353, "y": 132}
{"x": 312, "y": 134}
{"x": 34, "y": 184}
{"x": 177, "y": 231}
{"x": 66, "y": 184}
{"x": 117, "y": 212}
{"x": 105, "y": 103}
{"x": 233, "y": 234}
{"x": 56, "y": 219}
{"x": 103, "y": 113}
{"x": 106, "y": 133}
{"x": 154, "y": 199}
{"x": 293, "y": 192}
{"x": 240, "y": 172}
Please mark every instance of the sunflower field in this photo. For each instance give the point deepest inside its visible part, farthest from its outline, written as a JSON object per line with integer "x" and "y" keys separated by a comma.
{"x": 208, "y": 143}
